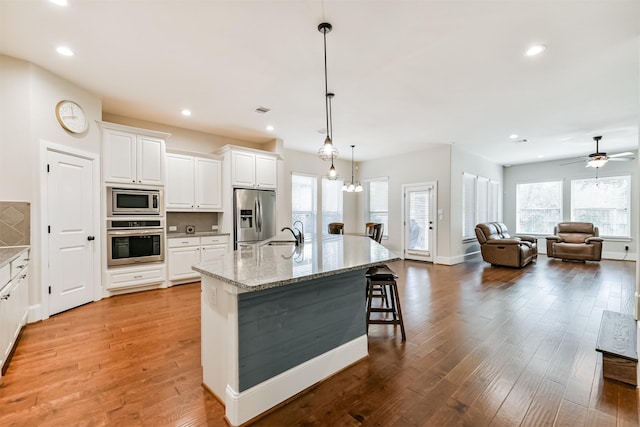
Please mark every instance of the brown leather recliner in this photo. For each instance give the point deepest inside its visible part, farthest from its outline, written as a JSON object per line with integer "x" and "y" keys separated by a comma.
{"x": 499, "y": 248}
{"x": 575, "y": 241}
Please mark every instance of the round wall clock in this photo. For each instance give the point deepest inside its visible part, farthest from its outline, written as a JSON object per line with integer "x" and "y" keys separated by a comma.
{"x": 71, "y": 116}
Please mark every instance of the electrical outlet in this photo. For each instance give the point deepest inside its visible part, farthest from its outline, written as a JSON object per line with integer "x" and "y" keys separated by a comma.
{"x": 214, "y": 227}
{"x": 626, "y": 248}
{"x": 173, "y": 228}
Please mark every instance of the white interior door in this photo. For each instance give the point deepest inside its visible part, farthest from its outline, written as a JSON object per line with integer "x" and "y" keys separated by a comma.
{"x": 419, "y": 221}
{"x": 71, "y": 239}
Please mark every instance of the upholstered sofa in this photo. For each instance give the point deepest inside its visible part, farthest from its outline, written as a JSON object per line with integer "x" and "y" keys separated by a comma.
{"x": 499, "y": 248}
{"x": 577, "y": 241}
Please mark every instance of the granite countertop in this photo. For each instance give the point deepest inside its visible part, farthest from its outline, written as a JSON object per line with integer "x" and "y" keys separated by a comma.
{"x": 9, "y": 253}
{"x": 260, "y": 266}
{"x": 196, "y": 234}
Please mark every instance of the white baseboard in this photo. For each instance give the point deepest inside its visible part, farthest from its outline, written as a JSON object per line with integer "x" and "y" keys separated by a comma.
{"x": 458, "y": 259}
{"x": 620, "y": 256}
{"x": 35, "y": 313}
{"x": 242, "y": 407}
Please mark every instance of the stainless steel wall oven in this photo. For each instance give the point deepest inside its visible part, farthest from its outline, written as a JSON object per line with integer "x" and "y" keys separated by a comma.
{"x": 135, "y": 241}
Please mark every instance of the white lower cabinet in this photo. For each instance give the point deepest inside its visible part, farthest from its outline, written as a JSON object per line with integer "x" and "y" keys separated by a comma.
{"x": 14, "y": 303}
{"x": 136, "y": 276}
{"x": 185, "y": 252}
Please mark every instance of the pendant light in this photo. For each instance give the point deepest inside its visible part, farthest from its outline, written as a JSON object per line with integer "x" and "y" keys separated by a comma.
{"x": 353, "y": 186}
{"x": 328, "y": 151}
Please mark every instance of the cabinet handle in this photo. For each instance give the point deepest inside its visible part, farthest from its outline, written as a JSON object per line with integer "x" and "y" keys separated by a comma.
{"x": 5, "y": 297}
{"x": 21, "y": 266}
{"x": 133, "y": 180}
{"x": 23, "y": 276}
{"x": 137, "y": 277}
{"x": 185, "y": 242}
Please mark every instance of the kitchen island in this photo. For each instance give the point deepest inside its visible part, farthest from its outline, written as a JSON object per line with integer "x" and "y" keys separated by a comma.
{"x": 277, "y": 318}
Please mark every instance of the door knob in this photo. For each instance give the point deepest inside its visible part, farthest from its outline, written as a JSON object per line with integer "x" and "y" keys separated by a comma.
{"x": 90, "y": 238}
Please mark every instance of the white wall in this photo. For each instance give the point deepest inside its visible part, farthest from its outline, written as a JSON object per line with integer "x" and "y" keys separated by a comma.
{"x": 432, "y": 164}
{"x": 461, "y": 162}
{"x": 28, "y": 97}
{"x": 555, "y": 170}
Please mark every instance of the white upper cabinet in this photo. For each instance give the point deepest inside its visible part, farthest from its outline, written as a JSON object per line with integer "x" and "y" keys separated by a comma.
{"x": 266, "y": 175}
{"x": 193, "y": 183}
{"x": 133, "y": 156}
{"x": 253, "y": 170}
{"x": 208, "y": 184}
{"x": 179, "y": 191}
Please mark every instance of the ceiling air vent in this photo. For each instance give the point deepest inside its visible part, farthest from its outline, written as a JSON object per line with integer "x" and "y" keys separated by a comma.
{"x": 262, "y": 110}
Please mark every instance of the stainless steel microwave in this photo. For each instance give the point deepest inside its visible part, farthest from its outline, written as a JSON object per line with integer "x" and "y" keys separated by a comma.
{"x": 125, "y": 201}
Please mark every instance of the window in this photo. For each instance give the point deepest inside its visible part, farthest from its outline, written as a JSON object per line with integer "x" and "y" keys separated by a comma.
{"x": 494, "y": 201}
{"x": 468, "y": 206}
{"x": 538, "y": 207}
{"x": 331, "y": 202}
{"x": 482, "y": 197}
{"x": 480, "y": 203}
{"x": 605, "y": 202}
{"x": 303, "y": 202}
{"x": 378, "y": 206}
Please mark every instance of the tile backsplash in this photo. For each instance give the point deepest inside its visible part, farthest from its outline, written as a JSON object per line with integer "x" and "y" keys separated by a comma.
{"x": 201, "y": 220}
{"x": 15, "y": 223}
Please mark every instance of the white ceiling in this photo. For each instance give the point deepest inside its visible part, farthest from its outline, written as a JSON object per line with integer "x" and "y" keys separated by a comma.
{"x": 406, "y": 74}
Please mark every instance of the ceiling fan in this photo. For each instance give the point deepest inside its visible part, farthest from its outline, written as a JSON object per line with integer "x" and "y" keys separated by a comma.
{"x": 598, "y": 159}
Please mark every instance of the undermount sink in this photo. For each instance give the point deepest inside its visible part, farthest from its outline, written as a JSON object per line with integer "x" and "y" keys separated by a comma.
{"x": 281, "y": 242}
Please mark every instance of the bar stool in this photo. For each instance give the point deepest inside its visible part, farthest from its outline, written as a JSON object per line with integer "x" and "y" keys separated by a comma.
{"x": 383, "y": 277}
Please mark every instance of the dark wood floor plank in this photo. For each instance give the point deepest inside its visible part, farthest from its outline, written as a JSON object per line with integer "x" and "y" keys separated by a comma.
{"x": 486, "y": 346}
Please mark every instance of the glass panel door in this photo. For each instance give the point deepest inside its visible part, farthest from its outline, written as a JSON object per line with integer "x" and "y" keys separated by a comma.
{"x": 418, "y": 221}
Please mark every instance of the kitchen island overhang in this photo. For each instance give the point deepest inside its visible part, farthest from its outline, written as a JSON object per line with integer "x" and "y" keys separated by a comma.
{"x": 278, "y": 319}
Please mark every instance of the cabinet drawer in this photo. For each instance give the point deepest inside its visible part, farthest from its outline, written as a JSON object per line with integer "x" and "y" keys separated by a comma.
{"x": 19, "y": 263}
{"x": 181, "y": 242}
{"x": 129, "y": 277}
{"x": 5, "y": 275}
{"x": 214, "y": 240}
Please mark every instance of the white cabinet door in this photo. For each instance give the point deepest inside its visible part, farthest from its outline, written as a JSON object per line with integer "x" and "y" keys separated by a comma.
{"x": 5, "y": 323}
{"x": 243, "y": 169}
{"x": 180, "y": 186}
{"x": 266, "y": 176}
{"x": 150, "y": 165}
{"x": 181, "y": 260}
{"x": 208, "y": 184}
{"x": 119, "y": 156}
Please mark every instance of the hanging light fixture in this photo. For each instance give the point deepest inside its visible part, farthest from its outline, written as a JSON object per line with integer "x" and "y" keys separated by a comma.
{"x": 328, "y": 151}
{"x": 353, "y": 186}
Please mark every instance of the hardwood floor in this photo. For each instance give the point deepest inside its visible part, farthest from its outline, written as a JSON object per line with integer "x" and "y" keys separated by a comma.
{"x": 486, "y": 346}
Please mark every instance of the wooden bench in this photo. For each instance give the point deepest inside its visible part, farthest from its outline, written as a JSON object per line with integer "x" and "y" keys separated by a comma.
{"x": 617, "y": 342}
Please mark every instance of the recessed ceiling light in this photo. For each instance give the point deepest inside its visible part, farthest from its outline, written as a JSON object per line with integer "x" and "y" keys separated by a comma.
{"x": 186, "y": 112}
{"x": 513, "y": 136}
{"x": 270, "y": 128}
{"x": 63, "y": 50}
{"x": 535, "y": 50}
{"x": 541, "y": 156}
{"x": 60, "y": 2}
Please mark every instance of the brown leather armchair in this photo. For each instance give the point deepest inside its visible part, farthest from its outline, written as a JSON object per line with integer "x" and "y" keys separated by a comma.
{"x": 577, "y": 241}
{"x": 499, "y": 248}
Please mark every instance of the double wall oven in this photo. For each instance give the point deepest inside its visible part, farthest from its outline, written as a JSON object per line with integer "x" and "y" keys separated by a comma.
{"x": 135, "y": 226}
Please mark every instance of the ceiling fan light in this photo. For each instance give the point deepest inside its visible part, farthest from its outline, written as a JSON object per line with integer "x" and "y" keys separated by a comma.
{"x": 596, "y": 163}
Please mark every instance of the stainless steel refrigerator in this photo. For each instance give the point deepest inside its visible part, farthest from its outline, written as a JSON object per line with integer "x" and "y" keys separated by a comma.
{"x": 254, "y": 215}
